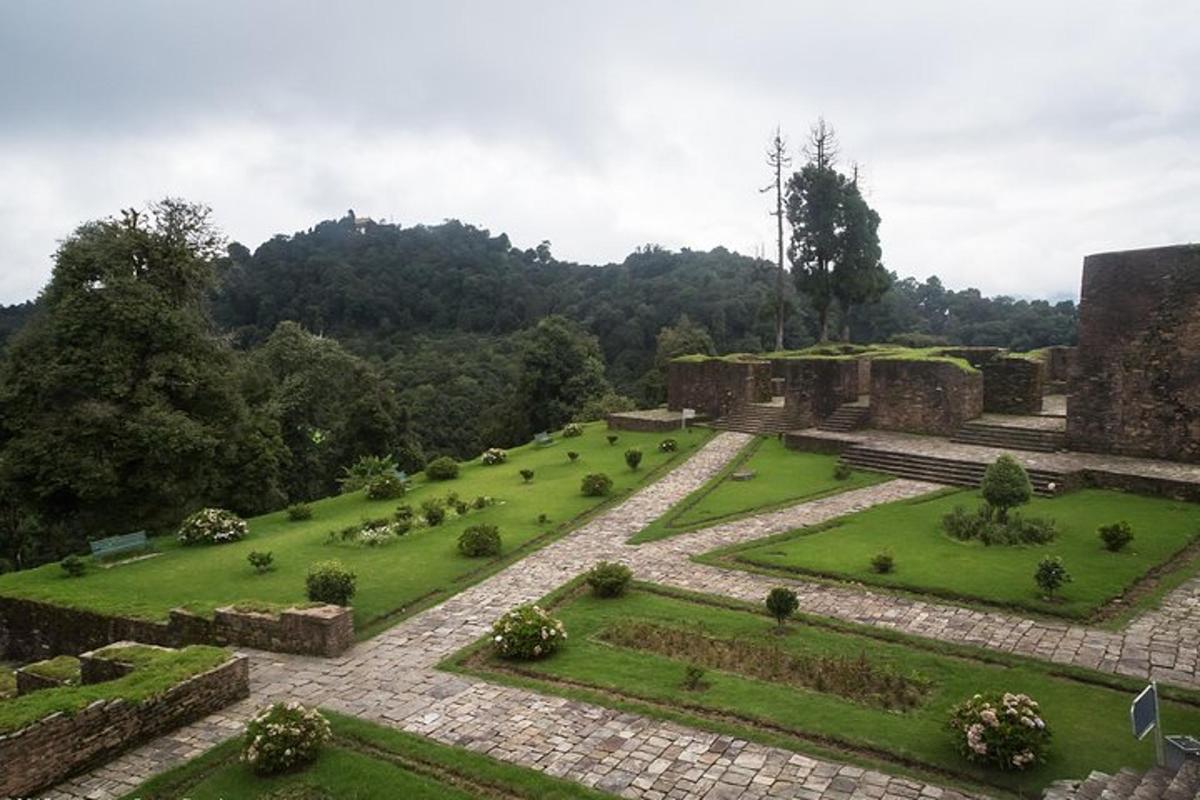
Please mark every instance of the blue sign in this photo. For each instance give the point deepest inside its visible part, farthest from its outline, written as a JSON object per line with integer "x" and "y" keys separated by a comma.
{"x": 1144, "y": 712}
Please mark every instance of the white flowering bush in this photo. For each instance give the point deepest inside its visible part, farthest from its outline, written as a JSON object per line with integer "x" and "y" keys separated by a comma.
{"x": 571, "y": 430}
{"x": 527, "y": 633}
{"x": 212, "y": 526}
{"x": 1004, "y": 730}
{"x": 284, "y": 737}
{"x": 493, "y": 456}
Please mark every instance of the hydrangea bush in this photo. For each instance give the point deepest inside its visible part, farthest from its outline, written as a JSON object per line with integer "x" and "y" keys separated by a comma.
{"x": 212, "y": 526}
{"x": 572, "y": 429}
{"x": 284, "y": 737}
{"x": 1003, "y": 730}
{"x": 527, "y": 633}
{"x": 493, "y": 456}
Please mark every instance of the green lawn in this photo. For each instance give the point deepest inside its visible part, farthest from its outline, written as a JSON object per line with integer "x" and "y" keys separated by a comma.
{"x": 364, "y": 762}
{"x": 931, "y": 562}
{"x": 421, "y": 568}
{"x": 1088, "y": 713}
{"x": 782, "y": 477}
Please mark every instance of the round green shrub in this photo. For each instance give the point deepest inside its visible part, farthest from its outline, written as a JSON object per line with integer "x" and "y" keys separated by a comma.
{"x": 1005, "y": 485}
{"x": 781, "y": 603}
{"x": 573, "y": 456}
{"x": 526, "y": 475}
{"x": 609, "y": 579}
{"x": 443, "y": 468}
{"x": 527, "y": 633}
{"x": 571, "y": 430}
{"x": 359, "y": 474}
{"x": 385, "y": 487}
{"x": 842, "y": 471}
{"x": 596, "y": 484}
{"x": 479, "y": 540}
{"x": 612, "y": 439}
{"x": 262, "y": 562}
{"x": 493, "y": 456}
{"x": 1005, "y": 731}
{"x": 883, "y": 563}
{"x": 74, "y": 566}
{"x": 284, "y": 737}
{"x": 633, "y": 457}
{"x": 668, "y": 446}
{"x": 330, "y": 582}
{"x": 1051, "y": 575}
{"x": 1116, "y": 536}
{"x": 298, "y": 512}
{"x": 212, "y": 526}
{"x": 433, "y": 511}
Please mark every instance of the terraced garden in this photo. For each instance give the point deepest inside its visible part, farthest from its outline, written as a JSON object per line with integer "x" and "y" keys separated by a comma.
{"x": 781, "y": 477}
{"x": 1105, "y": 585}
{"x": 417, "y": 570}
{"x": 826, "y": 688}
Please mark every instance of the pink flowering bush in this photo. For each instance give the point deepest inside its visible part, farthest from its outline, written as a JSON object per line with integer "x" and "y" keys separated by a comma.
{"x": 212, "y": 526}
{"x": 527, "y": 633}
{"x": 1003, "y": 730}
{"x": 284, "y": 737}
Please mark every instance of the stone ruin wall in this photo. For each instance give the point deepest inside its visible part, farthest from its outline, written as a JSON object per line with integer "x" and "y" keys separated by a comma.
{"x": 817, "y": 386}
{"x": 930, "y": 397}
{"x": 1136, "y": 382}
{"x": 1013, "y": 385}
{"x": 715, "y": 387}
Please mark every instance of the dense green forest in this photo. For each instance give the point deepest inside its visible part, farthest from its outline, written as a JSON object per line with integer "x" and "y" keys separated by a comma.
{"x": 263, "y": 373}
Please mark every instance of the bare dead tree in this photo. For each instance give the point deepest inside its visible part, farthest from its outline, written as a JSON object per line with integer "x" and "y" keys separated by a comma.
{"x": 822, "y": 146}
{"x": 778, "y": 160}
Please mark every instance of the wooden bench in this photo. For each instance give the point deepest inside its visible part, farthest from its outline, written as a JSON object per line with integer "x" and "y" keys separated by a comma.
{"x": 542, "y": 439}
{"x": 115, "y": 545}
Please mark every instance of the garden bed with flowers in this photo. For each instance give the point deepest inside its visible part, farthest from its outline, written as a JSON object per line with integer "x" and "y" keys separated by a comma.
{"x": 402, "y": 564}
{"x": 832, "y": 689}
{"x": 362, "y": 761}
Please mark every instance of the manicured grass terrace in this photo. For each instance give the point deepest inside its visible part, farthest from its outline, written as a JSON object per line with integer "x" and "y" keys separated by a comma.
{"x": 364, "y": 762}
{"x": 422, "y": 568}
{"x": 783, "y": 477}
{"x": 1088, "y": 713}
{"x": 931, "y": 562}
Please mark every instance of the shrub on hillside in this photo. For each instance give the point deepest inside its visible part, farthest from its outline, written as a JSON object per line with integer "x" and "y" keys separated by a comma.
{"x": 1003, "y": 730}
{"x": 262, "y": 562}
{"x": 596, "y": 485}
{"x": 572, "y": 429}
{"x": 601, "y": 407}
{"x": 1050, "y": 575}
{"x": 781, "y": 603}
{"x": 479, "y": 540}
{"x": 526, "y": 475}
{"x": 482, "y": 501}
{"x": 527, "y": 633}
{"x": 385, "y": 487}
{"x": 612, "y": 439}
{"x": 298, "y": 512}
{"x": 74, "y": 566}
{"x": 284, "y": 737}
{"x": 571, "y": 454}
{"x": 493, "y": 456}
{"x": 633, "y": 457}
{"x": 443, "y": 468}
{"x": 359, "y": 474}
{"x": 433, "y": 511}
{"x": 668, "y": 446}
{"x": 212, "y": 526}
{"x": 1005, "y": 485}
{"x": 842, "y": 471}
{"x": 883, "y": 563}
{"x": 984, "y": 526}
{"x": 330, "y": 582}
{"x": 1116, "y": 536}
{"x": 609, "y": 579}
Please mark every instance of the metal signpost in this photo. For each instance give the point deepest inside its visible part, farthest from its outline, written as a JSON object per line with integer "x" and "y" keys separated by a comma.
{"x": 1143, "y": 714}
{"x": 688, "y": 413}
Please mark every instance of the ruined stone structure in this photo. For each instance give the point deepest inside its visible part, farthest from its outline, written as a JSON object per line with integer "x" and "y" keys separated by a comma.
{"x": 1060, "y": 360}
{"x": 1013, "y": 385}
{"x": 1136, "y": 384}
{"x": 816, "y": 387}
{"x": 924, "y": 396}
{"x": 716, "y": 386}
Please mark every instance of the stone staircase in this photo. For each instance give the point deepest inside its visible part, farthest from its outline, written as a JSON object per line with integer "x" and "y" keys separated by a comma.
{"x": 847, "y": 417}
{"x": 758, "y": 418}
{"x": 1010, "y": 437}
{"x": 937, "y": 469}
{"x": 1158, "y": 783}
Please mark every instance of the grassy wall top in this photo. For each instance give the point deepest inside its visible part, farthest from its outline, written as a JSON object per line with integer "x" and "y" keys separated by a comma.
{"x": 155, "y": 672}
{"x": 839, "y": 352}
{"x": 729, "y": 358}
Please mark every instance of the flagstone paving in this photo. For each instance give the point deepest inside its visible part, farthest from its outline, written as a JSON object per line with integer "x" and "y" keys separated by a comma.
{"x": 392, "y": 678}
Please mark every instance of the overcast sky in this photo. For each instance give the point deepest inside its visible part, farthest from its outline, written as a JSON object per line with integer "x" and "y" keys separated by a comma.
{"x": 999, "y": 146}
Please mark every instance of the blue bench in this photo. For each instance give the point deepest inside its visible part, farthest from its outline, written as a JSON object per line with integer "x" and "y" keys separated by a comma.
{"x": 115, "y": 545}
{"x": 542, "y": 439}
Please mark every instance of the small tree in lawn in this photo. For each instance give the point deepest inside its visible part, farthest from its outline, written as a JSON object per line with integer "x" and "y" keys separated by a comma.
{"x": 1005, "y": 485}
{"x": 633, "y": 457}
{"x": 1051, "y": 575}
{"x": 781, "y": 604}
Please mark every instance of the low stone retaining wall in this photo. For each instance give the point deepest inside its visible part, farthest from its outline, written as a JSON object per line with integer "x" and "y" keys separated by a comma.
{"x": 40, "y": 755}
{"x": 816, "y": 444}
{"x": 715, "y": 387}
{"x": 934, "y": 397}
{"x": 36, "y": 630}
{"x": 652, "y": 421}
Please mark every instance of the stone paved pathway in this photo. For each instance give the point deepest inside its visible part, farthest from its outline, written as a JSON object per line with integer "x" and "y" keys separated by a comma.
{"x": 392, "y": 678}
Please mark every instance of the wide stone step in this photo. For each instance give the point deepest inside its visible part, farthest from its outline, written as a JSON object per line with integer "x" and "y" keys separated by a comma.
{"x": 1009, "y": 437}
{"x": 1153, "y": 784}
{"x": 938, "y": 470}
{"x": 1122, "y": 785}
{"x": 846, "y": 418}
{"x": 1185, "y": 785}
